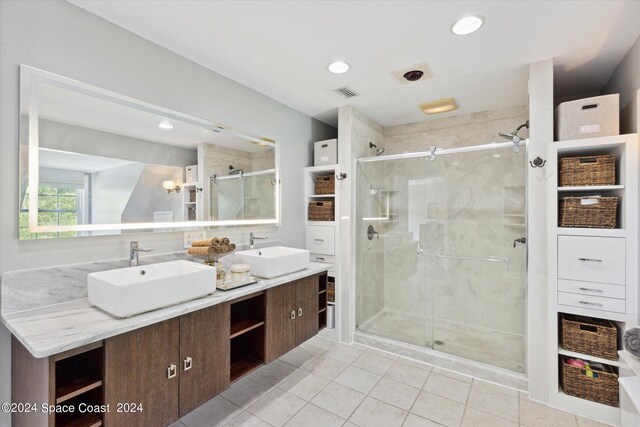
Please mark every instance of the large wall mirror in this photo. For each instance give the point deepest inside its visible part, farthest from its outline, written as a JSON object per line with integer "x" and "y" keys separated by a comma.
{"x": 94, "y": 162}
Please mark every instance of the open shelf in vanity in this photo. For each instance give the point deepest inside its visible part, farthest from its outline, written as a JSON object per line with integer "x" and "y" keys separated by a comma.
{"x": 247, "y": 335}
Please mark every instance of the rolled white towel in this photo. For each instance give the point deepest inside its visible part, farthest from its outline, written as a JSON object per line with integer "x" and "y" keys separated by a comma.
{"x": 631, "y": 340}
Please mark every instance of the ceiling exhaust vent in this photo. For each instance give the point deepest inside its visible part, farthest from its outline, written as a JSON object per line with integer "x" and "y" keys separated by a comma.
{"x": 346, "y": 92}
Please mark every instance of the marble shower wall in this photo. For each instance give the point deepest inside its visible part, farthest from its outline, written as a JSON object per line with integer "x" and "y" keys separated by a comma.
{"x": 469, "y": 204}
{"x": 369, "y": 253}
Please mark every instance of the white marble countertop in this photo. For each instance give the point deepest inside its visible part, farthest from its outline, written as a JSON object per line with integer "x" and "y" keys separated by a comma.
{"x": 55, "y": 328}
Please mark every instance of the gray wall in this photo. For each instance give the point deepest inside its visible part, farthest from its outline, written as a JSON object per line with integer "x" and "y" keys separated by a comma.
{"x": 625, "y": 80}
{"x": 64, "y": 39}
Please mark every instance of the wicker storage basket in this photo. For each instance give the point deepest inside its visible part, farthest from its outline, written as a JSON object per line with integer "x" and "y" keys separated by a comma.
{"x": 602, "y": 388}
{"x": 321, "y": 211}
{"x": 331, "y": 290}
{"x": 587, "y": 170}
{"x": 589, "y": 212}
{"x": 325, "y": 185}
{"x": 593, "y": 337}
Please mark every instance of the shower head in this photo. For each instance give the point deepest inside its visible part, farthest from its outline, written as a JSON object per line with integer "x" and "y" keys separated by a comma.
{"x": 234, "y": 171}
{"x": 379, "y": 151}
{"x": 514, "y": 137}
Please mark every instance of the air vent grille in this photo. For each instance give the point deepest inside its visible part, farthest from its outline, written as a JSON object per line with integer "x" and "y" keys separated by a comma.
{"x": 346, "y": 92}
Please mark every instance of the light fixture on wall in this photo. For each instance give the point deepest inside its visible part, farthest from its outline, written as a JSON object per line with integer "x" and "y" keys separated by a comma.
{"x": 171, "y": 186}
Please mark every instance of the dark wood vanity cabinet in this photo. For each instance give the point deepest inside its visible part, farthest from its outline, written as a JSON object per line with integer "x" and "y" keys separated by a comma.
{"x": 154, "y": 375}
{"x": 170, "y": 368}
{"x": 292, "y": 316}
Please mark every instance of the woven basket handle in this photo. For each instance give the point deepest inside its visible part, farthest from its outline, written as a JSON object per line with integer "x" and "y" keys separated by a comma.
{"x": 589, "y": 328}
{"x": 587, "y": 160}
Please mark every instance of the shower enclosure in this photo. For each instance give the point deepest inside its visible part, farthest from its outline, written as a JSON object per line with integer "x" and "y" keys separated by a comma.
{"x": 440, "y": 261}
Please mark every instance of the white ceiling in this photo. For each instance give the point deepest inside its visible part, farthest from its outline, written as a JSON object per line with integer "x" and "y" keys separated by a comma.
{"x": 281, "y": 48}
{"x": 55, "y": 159}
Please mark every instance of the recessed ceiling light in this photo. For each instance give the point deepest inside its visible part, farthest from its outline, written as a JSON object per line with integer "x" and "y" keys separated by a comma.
{"x": 467, "y": 25}
{"x": 438, "y": 106}
{"x": 338, "y": 67}
{"x": 165, "y": 125}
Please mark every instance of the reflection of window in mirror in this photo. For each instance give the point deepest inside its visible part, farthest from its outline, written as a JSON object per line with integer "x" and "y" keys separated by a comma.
{"x": 57, "y": 205}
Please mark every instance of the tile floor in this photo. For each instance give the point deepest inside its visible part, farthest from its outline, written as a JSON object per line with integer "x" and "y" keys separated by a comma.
{"x": 324, "y": 384}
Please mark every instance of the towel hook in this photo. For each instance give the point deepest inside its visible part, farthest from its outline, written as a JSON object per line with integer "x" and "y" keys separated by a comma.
{"x": 537, "y": 162}
{"x": 341, "y": 176}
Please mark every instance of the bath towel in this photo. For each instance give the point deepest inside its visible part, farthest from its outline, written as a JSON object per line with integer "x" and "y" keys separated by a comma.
{"x": 631, "y": 339}
{"x": 201, "y": 250}
{"x": 205, "y": 242}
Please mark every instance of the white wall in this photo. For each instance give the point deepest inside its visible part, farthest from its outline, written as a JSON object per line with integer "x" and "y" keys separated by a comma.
{"x": 111, "y": 190}
{"x": 64, "y": 39}
{"x": 540, "y": 134}
{"x": 625, "y": 80}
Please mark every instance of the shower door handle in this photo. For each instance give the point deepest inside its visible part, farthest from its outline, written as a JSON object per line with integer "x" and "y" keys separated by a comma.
{"x": 419, "y": 249}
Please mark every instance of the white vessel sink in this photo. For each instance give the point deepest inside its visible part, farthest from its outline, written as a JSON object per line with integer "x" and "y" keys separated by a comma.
{"x": 274, "y": 261}
{"x": 128, "y": 291}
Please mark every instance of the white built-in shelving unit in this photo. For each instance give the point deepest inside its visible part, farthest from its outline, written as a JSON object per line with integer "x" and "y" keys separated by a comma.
{"x": 191, "y": 202}
{"x": 322, "y": 237}
{"x": 598, "y": 274}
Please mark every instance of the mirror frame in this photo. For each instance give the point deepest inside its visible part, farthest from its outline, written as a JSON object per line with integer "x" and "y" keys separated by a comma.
{"x": 31, "y": 77}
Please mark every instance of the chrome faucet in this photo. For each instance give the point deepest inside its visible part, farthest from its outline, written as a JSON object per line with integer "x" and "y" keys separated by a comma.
{"x": 134, "y": 250}
{"x": 253, "y": 237}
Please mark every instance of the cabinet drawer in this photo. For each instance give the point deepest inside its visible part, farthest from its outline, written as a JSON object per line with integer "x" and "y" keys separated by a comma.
{"x": 590, "y": 288}
{"x": 320, "y": 239}
{"x": 592, "y": 259}
{"x": 592, "y": 303}
{"x": 327, "y": 259}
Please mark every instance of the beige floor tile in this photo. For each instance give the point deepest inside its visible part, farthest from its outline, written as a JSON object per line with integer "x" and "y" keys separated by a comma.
{"x": 495, "y": 387}
{"x": 381, "y": 353}
{"x": 415, "y": 363}
{"x": 537, "y": 415}
{"x": 215, "y": 412}
{"x": 273, "y": 373}
{"x": 317, "y": 345}
{"x": 496, "y": 403}
{"x": 373, "y": 363}
{"x": 338, "y": 399}
{"x": 358, "y": 379}
{"x": 447, "y": 387}
{"x": 313, "y": 416}
{"x": 276, "y": 407}
{"x": 407, "y": 373}
{"x": 246, "y": 391}
{"x": 343, "y": 353}
{"x": 246, "y": 419}
{"x": 476, "y": 418}
{"x": 325, "y": 367}
{"x": 452, "y": 374}
{"x": 413, "y": 420}
{"x": 372, "y": 412}
{"x": 304, "y": 384}
{"x": 435, "y": 408}
{"x": 298, "y": 357}
{"x": 395, "y": 393}
{"x": 586, "y": 422}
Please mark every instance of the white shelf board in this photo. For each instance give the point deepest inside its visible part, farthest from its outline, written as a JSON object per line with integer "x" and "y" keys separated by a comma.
{"x": 317, "y": 196}
{"x": 589, "y": 409}
{"x": 564, "y": 352}
{"x": 590, "y": 188}
{"x": 331, "y": 223}
{"x": 598, "y": 232}
{"x": 598, "y": 314}
{"x": 323, "y": 168}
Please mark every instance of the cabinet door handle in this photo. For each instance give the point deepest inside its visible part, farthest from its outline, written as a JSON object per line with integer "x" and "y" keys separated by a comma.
{"x": 299, "y": 311}
{"x": 172, "y": 371}
{"x": 187, "y": 363}
{"x": 590, "y": 303}
{"x": 591, "y": 290}
{"x": 293, "y": 314}
{"x": 319, "y": 240}
{"x": 590, "y": 259}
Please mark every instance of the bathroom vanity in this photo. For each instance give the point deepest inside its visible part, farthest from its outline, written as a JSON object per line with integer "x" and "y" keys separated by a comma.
{"x": 153, "y": 368}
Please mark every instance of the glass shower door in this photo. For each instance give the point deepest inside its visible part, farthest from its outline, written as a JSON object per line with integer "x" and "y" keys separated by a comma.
{"x": 479, "y": 284}
{"x": 393, "y": 296}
